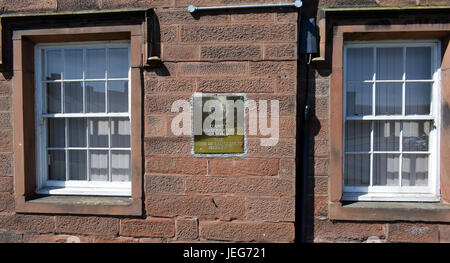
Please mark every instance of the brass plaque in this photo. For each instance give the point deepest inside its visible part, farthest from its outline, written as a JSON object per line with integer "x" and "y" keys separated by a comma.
{"x": 225, "y": 136}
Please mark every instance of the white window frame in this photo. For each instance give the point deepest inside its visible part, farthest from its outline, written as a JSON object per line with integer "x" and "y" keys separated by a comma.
{"x": 430, "y": 193}
{"x": 72, "y": 187}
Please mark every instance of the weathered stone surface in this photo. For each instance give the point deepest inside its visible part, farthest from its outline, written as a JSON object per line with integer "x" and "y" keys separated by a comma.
{"x": 347, "y": 232}
{"x": 150, "y": 227}
{"x": 247, "y": 231}
{"x": 238, "y": 33}
{"x": 87, "y": 225}
{"x": 187, "y": 229}
{"x": 240, "y": 185}
{"x": 240, "y": 167}
{"x": 413, "y": 232}
{"x": 170, "y": 165}
{"x": 162, "y": 184}
{"x": 196, "y": 206}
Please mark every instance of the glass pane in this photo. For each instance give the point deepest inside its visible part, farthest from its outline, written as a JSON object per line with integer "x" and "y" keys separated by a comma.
{"x": 98, "y": 165}
{"x": 54, "y": 63}
{"x": 416, "y": 135}
{"x": 386, "y": 136}
{"x": 359, "y": 64}
{"x": 95, "y": 63}
{"x": 77, "y": 165}
{"x": 73, "y": 64}
{"x": 57, "y": 165}
{"x": 418, "y": 63}
{"x": 415, "y": 170}
{"x": 357, "y": 136}
{"x": 390, "y": 63}
{"x": 121, "y": 166}
{"x": 388, "y": 99}
{"x": 357, "y": 170}
{"x": 56, "y": 132}
{"x": 98, "y": 132}
{"x": 359, "y": 99}
{"x": 95, "y": 97}
{"x": 53, "y": 98}
{"x": 118, "y": 63}
{"x": 120, "y": 133}
{"x": 418, "y": 98}
{"x": 385, "y": 169}
{"x": 77, "y": 132}
{"x": 118, "y": 96}
{"x": 73, "y": 97}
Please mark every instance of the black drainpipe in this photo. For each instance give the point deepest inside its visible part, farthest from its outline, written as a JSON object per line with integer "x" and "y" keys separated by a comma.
{"x": 307, "y": 45}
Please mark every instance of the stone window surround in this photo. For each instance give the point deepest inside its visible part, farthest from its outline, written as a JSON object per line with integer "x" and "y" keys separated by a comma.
{"x": 24, "y": 125}
{"x": 385, "y": 211}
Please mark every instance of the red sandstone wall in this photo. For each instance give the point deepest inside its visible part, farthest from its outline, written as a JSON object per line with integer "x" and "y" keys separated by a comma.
{"x": 210, "y": 199}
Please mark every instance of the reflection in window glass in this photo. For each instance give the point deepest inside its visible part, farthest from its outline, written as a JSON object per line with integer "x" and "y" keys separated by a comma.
{"x": 390, "y": 63}
{"x": 87, "y": 121}
{"x": 118, "y": 96}
{"x": 388, "y": 99}
{"x": 359, "y": 99}
{"x": 389, "y": 150}
{"x": 417, "y": 98}
{"x": 95, "y": 96}
{"x": 95, "y": 63}
{"x": 359, "y": 64}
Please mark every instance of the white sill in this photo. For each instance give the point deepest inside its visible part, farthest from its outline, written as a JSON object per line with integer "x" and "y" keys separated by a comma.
{"x": 390, "y": 197}
{"x": 85, "y": 191}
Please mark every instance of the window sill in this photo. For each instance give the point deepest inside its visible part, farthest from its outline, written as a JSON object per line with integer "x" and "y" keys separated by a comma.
{"x": 86, "y": 191}
{"x": 393, "y": 197}
{"x": 390, "y": 211}
{"x": 85, "y": 205}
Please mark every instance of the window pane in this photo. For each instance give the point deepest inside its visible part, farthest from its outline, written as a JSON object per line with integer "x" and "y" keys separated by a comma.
{"x": 415, "y": 170}
{"x": 388, "y": 99}
{"x": 416, "y": 135}
{"x": 385, "y": 169}
{"x": 359, "y": 64}
{"x": 120, "y": 132}
{"x": 418, "y": 63}
{"x": 357, "y": 170}
{"x": 357, "y": 136}
{"x": 77, "y": 132}
{"x": 359, "y": 99}
{"x": 390, "y": 63}
{"x": 118, "y": 63}
{"x": 98, "y": 165}
{"x": 54, "y": 64}
{"x": 386, "y": 136}
{"x": 95, "y": 96}
{"x": 53, "y": 98}
{"x": 77, "y": 165}
{"x": 95, "y": 63}
{"x": 57, "y": 165}
{"x": 418, "y": 98}
{"x": 98, "y": 132}
{"x": 120, "y": 166}
{"x": 73, "y": 63}
{"x": 118, "y": 96}
{"x": 56, "y": 132}
{"x": 73, "y": 97}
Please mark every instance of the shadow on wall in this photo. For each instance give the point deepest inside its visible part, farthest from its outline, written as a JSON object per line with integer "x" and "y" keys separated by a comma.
{"x": 315, "y": 78}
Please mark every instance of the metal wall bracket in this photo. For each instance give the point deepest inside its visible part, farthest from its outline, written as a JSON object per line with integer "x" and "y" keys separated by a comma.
{"x": 153, "y": 38}
{"x": 193, "y": 9}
